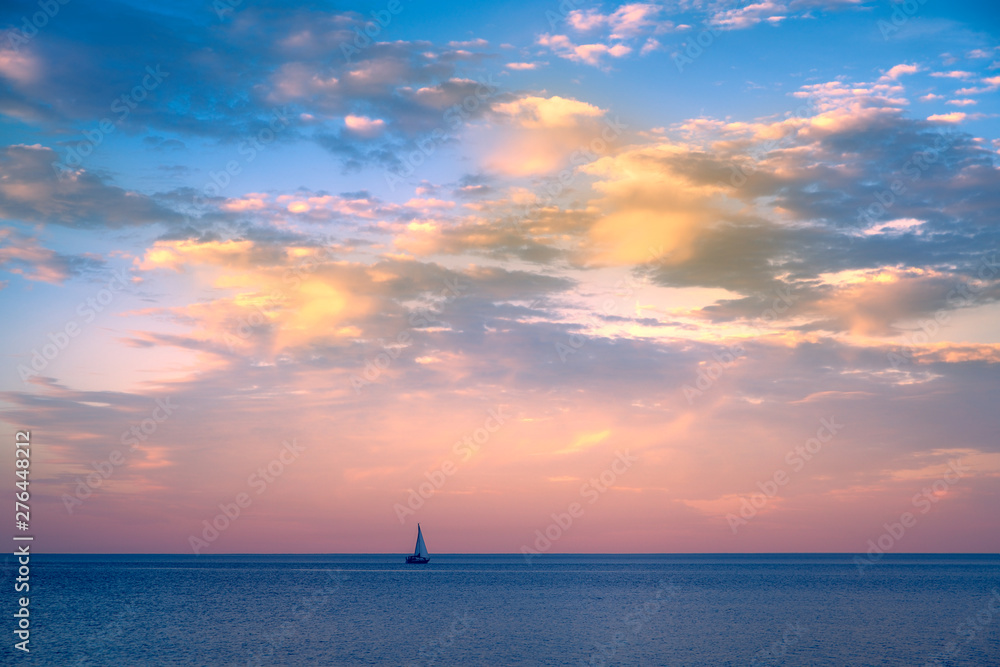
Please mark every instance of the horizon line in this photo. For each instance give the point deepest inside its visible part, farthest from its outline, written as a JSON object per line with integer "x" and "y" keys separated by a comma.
{"x": 540, "y": 555}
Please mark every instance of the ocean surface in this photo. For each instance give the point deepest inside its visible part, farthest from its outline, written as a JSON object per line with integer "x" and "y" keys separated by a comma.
{"x": 806, "y": 609}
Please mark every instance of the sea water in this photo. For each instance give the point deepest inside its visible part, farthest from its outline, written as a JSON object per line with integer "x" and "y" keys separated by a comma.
{"x": 505, "y": 610}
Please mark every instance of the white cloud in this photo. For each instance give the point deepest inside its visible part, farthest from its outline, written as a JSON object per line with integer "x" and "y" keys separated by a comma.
{"x": 650, "y": 46}
{"x": 626, "y": 22}
{"x": 469, "y": 44}
{"x": 745, "y": 17}
{"x": 899, "y": 70}
{"x": 590, "y": 54}
{"x": 364, "y": 126}
{"x": 953, "y": 117}
{"x": 953, "y": 74}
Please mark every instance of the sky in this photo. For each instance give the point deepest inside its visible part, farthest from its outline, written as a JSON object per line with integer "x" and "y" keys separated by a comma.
{"x": 693, "y": 276}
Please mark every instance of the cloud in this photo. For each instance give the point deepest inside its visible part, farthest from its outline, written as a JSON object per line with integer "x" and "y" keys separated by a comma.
{"x": 979, "y": 53}
{"x": 670, "y": 207}
{"x": 992, "y": 84}
{"x": 223, "y": 80}
{"x": 899, "y": 70}
{"x": 477, "y": 43}
{"x": 766, "y": 11}
{"x": 478, "y": 236}
{"x": 649, "y": 209}
{"x": 538, "y": 134}
{"x": 953, "y": 117}
{"x": 626, "y": 22}
{"x": 522, "y": 66}
{"x": 871, "y": 302}
{"x": 895, "y": 226}
{"x": 585, "y": 441}
{"x": 632, "y": 19}
{"x": 18, "y": 67}
{"x": 25, "y": 256}
{"x": 745, "y": 17}
{"x": 548, "y": 112}
{"x": 364, "y": 126}
{"x": 303, "y": 298}
{"x": 650, "y": 46}
{"x": 953, "y": 74}
{"x": 33, "y": 190}
{"x": 584, "y": 20}
{"x": 590, "y": 54}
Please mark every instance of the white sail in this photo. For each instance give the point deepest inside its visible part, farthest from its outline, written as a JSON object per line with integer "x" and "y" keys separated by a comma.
{"x": 421, "y": 549}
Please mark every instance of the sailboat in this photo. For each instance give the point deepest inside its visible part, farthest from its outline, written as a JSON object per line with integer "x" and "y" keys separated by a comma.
{"x": 420, "y": 556}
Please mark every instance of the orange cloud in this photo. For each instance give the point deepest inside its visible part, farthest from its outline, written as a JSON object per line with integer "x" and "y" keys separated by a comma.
{"x": 539, "y": 134}
{"x": 648, "y": 210}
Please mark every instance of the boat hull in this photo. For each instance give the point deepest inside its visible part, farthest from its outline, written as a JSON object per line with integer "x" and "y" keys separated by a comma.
{"x": 417, "y": 560}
